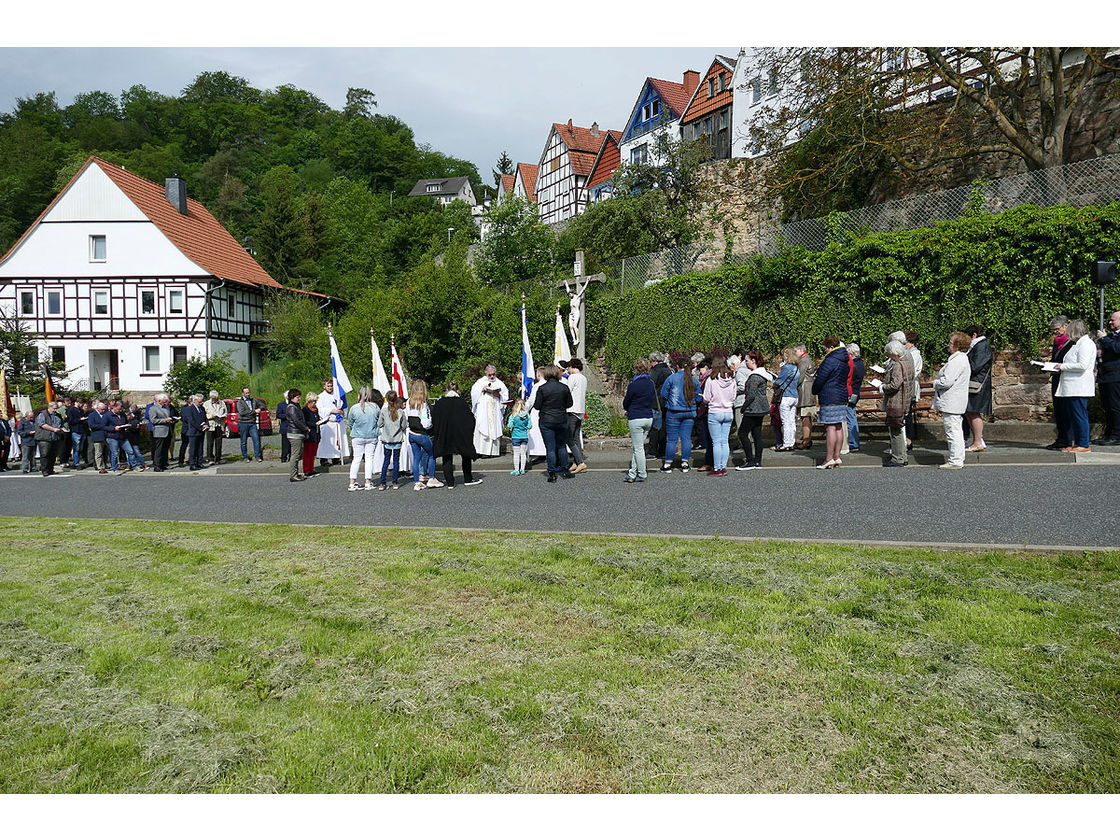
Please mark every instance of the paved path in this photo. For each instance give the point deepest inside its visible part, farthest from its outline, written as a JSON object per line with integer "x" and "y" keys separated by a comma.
{"x": 1061, "y": 504}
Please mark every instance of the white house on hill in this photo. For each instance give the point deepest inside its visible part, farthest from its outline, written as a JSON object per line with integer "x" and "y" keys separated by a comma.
{"x": 445, "y": 190}
{"x": 122, "y": 277}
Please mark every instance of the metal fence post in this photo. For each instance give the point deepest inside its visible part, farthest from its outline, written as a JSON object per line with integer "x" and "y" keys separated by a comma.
{"x": 622, "y": 279}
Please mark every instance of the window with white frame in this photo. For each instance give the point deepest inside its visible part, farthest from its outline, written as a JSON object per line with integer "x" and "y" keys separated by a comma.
{"x": 175, "y": 301}
{"x": 26, "y": 303}
{"x": 178, "y": 355}
{"x": 151, "y": 360}
{"x": 639, "y": 154}
{"x": 230, "y": 305}
{"x": 101, "y": 303}
{"x": 97, "y": 247}
{"x": 433, "y": 187}
{"x": 756, "y": 89}
{"x": 148, "y": 302}
{"x": 54, "y": 303}
{"x": 655, "y": 108}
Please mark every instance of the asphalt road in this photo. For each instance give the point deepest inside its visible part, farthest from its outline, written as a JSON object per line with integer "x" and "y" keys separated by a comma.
{"x": 1049, "y": 505}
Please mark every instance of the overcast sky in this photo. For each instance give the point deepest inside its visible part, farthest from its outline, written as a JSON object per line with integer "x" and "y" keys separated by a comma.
{"x": 468, "y": 103}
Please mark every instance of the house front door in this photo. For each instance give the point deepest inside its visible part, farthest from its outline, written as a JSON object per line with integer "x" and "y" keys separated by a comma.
{"x": 104, "y": 370}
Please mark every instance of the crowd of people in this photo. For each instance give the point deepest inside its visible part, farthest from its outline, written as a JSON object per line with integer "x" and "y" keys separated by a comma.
{"x": 721, "y": 399}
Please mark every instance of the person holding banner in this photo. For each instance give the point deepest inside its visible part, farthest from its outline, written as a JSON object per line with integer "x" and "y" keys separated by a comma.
{"x": 488, "y": 395}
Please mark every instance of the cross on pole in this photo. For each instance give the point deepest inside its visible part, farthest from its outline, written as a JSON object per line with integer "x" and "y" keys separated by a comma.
{"x": 575, "y": 288}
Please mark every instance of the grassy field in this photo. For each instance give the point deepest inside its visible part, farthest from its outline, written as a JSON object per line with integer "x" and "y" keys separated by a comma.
{"x": 138, "y": 656}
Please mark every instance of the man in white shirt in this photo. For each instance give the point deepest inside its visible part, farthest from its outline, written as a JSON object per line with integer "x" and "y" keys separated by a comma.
{"x": 577, "y": 384}
{"x": 488, "y": 396}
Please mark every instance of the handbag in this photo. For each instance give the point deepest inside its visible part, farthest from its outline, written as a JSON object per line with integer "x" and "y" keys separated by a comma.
{"x": 853, "y": 400}
{"x": 975, "y": 386}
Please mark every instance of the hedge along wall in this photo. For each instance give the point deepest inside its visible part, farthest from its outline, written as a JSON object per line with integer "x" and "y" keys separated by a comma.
{"x": 1010, "y": 272}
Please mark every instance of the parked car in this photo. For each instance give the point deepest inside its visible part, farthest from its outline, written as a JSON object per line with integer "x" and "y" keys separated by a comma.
{"x": 264, "y": 421}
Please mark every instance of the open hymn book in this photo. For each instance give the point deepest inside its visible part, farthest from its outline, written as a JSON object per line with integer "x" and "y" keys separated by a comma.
{"x": 1049, "y": 367}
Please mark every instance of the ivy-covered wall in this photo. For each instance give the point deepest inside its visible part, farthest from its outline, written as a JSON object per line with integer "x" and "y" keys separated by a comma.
{"x": 1010, "y": 272}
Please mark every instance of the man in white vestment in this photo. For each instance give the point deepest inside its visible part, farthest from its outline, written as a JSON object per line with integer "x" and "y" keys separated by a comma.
{"x": 333, "y": 445}
{"x": 487, "y": 397}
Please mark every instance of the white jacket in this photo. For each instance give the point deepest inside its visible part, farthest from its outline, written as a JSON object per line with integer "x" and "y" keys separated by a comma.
{"x": 951, "y": 386}
{"x": 1079, "y": 367}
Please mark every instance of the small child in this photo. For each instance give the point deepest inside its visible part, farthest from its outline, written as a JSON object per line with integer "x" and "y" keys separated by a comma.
{"x": 519, "y": 424}
{"x": 391, "y": 423}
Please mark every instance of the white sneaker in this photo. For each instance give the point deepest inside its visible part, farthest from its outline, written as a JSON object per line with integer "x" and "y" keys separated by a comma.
{"x": 472, "y": 482}
{"x": 434, "y": 482}
{"x": 352, "y": 487}
{"x": 419, "y": 485}
{"x": 367, "y": 486}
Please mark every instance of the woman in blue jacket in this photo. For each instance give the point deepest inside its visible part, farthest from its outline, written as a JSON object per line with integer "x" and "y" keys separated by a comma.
{"x": 832, "y": 386}
{"x": 639, "y": 404}
{"x": 680, "y": 395}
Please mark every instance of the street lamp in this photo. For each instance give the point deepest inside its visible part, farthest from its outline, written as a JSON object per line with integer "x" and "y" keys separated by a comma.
{"x": 449, "y": 235}
{"x": 1104, "y": 275}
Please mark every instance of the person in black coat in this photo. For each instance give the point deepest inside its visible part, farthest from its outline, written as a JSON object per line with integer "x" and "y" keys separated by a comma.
{"x": 453, "y": 434}
{"x": 194, "y": 427}
{"x": 659, "y": 372}
{"x": 552, "y": 400}
{"x": 1108, "y": 380}
{"x": 285, "y": 444}
{"x": 979, "y": 387}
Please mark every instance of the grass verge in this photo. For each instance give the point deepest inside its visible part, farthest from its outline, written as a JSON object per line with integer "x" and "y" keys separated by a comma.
{"x": 146, "y": 656}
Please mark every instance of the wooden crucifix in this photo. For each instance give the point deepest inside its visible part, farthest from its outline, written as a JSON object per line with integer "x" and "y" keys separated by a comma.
{"x": 576, "y": 288}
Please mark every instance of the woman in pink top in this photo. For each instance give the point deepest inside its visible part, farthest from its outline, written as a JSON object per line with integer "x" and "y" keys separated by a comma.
{"x": 719, "y": 394}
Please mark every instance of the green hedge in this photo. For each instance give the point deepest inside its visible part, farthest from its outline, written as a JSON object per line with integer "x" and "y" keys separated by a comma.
{"x": 1010, "y": 272}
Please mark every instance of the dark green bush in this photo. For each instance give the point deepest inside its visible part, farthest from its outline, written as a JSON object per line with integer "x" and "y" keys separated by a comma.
{"x": 1010, "y": 272}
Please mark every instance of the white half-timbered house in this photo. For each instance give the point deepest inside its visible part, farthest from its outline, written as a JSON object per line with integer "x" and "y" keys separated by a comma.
{"x": 565, "y": 163}
{"x": 121, "y": 278}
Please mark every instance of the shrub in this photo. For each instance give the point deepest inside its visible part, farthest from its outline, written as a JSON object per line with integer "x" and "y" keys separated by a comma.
{"x": 199, "y": 376}
{"x": 598, "y": 422}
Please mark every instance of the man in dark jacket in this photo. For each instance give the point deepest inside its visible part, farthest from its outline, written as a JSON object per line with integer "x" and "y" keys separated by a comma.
{"x": 453, "y": 434}
{"x": 98, "y": 422}
{"x": 1108, "y": 378}
{"x": 552, "y": 400}
{"x": 659, "y": 372}
{"x": 5, "y": 442}
{"x": 159, "y": 415}
{"x": 25, "y": 430}
{"x": 79, "y": 432}
{"x": 194, "y": 426}
{"x": 285, "y": 444}
{"x": 48, "y": 435}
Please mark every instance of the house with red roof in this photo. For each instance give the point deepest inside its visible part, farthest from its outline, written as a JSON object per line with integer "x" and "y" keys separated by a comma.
{"x": 505, "y": 187}
{"x": 658, "y": 109}
{"x": 122, "y": 277}
{"x": 525, "y": 181}
{"x": 599, "y": 180}
{"x": 565, "y": 164}
{"x": 709, "y": 113}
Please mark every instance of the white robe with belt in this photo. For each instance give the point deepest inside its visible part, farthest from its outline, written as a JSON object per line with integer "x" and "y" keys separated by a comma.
{"x": 334, "y": 442}
{"x": 488, "y": 412}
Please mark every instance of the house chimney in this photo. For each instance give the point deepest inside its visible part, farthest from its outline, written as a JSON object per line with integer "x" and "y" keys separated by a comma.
{"x": 594, "y": 129}
{"x": 691, "y": 80}
{"x": 570, "y": 126}
{"x": 175, "y": 188}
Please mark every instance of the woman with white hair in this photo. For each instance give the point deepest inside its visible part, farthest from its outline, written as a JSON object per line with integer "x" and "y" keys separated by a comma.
{"x": 859, "y": 370}
{"x": 898, "y": 383}
{"x": 950, "y": 390}
{"x": 1078, "y": 383}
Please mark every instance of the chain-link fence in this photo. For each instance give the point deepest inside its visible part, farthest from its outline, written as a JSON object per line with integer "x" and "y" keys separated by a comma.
{"x": 1083, "y": 184}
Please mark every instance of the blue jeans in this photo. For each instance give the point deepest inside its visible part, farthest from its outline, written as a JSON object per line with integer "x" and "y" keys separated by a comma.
{"x": 249, "y": 430}
{"x": 719, "y": 427}
{"x": 79, "y": 440}
{"x": 423, "y": 462}
{"x": 1078, "y": 416}
{"x": 132, "y": 452}
{"x": 555, "y": 446}
{"x": 678, "y": 426}
{"x": 393, "y": 455}
{"x": 853, "y": 428}
{"x": 114, "y": 448}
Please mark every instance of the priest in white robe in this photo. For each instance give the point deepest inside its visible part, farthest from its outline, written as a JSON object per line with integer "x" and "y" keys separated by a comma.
{"x": 333, "y": 444}
{"x": 488, "y": 397}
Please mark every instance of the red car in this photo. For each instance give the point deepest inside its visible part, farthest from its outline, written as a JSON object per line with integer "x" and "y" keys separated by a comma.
{"x": 264, "y": 421}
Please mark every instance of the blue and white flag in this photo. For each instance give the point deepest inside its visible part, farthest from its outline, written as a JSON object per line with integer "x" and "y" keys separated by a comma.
{"x": 528, "y": 369}
{"x": 338, "y": 373}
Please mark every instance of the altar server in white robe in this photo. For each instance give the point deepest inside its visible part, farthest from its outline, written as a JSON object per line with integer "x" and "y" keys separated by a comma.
{"x": 488, "y": 396}
{"x": 334, "y": 443}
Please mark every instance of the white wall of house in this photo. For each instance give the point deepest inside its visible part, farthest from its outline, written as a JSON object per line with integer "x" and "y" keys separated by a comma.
{"x": 560, "y": 193}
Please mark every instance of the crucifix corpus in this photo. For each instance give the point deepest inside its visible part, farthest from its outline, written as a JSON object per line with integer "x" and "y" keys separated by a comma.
{"x": 576, "y": 288}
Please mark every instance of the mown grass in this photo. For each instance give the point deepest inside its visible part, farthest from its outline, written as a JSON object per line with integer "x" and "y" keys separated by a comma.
{"x": 140, "y": 656}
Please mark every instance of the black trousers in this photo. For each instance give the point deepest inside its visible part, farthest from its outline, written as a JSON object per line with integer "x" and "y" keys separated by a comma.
{"x": 5, "y": 450}
{"x": 285, "y": 447}
{"x": 48, "y": 453}
{"x": 449, "y": 469}
{"x": 184, "y": 444}
{"x": 750, "y": 427}
{"x": 160, "y": 447}
{"x": 196, "y": 451}
{"x": 1110, "y": 402}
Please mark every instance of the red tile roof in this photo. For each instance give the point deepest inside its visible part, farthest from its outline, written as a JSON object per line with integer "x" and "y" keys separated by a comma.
{"x": 607, "y": 161}
{"x": 507, "y": 184}
{"x": 528, "y": 173}
{"x": 582, "y": 145}
{"x": 701, "y": 105}
{"x": 200, "y": 236}
{"x": 673, "y": 94}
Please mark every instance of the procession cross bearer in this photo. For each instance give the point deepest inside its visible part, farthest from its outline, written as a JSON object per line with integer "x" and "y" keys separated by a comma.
{"x": 487, "y": 397}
